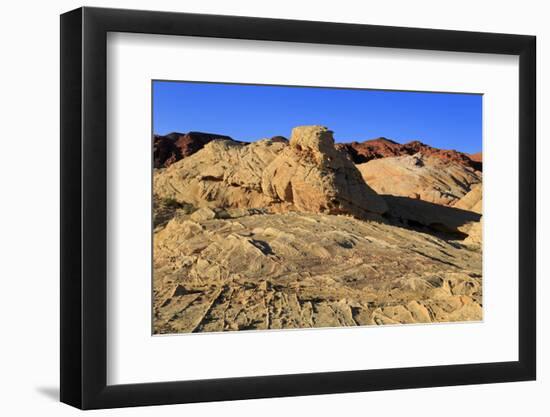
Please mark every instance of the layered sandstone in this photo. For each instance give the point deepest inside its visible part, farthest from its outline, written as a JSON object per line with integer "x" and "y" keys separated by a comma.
{"x": 361, "y": 152}
{"x": 222, "y": 174}
{"x": 472, "y": 201}
{"x": 174, "y": 146}
{"x": 280, "y": 234}
{"x": 307, "y": 174}
{"x": 312, "y": 176}
{"x": 475, "y": 234}
{"x": 251, "y": 270}
{"x": 420, "y": 176}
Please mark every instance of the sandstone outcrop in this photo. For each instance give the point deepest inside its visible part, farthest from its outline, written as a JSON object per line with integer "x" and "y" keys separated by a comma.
{"x": 297, "y": 270}
{"x": 475, "y": 234}
{"x": 447, "y": 155}
{"x": 280, "y": 234}
{"x": 222, "y": 174}
{"x": 313, "y": 176}
{"x": 432, "y": 217}
{"x": 307, "y": 174}
{"x": 420, "y": 176}
{"x": 174, "y": 146}
{"x": 361, "y": 152}
{"x": 472, "y": 201}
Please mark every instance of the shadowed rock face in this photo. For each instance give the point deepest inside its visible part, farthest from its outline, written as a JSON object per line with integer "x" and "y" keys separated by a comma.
{"x": 443, "y": 154}
{"x": 307, "y": 174}
{"x": 175, "y": 146}
{"x": 361, "y": 152}
{"x": 475, "y": 234}
{"x": 436, "y": 217}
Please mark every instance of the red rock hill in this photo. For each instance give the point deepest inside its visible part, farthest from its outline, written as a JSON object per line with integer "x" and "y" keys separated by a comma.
{"x": 361, "y": 152}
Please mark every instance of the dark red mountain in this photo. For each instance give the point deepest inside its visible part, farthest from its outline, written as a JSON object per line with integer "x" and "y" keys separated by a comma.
{"x": 174, "y": 146}
{"x": 361, "y": 152}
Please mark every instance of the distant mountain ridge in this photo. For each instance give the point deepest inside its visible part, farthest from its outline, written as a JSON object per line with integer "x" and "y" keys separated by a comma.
{"x": 478, "y": 157}
{"x": 174, "y": 146}
{"x": 361, "y": 152}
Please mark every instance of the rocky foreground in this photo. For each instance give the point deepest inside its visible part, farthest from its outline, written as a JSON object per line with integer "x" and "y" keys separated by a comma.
{"x": 278, "y": 234}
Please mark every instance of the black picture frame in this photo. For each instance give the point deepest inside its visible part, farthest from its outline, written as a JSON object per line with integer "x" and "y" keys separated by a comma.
{"x": 84, "y": 207}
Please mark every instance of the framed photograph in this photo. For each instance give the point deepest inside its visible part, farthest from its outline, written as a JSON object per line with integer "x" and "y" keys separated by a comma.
{"x": 259, "y": 208}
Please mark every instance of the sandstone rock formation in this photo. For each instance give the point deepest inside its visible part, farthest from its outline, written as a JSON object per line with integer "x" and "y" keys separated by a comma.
{"x": 361, "y": 152}
{"x": 171, "y": 148}
{"x": 294, "y": 270}
{"x": 471, "y": 201}
{"x": 308, "y": 174}
{"x": 420, "y": 176}
{"x": 280, "y": 234}
{"x": 165, "y": 208}
{"x": 312, "y": 176}
{"x": 444, "y": 154}
{"x": 475, "y": 234}
{"x": 222, "y": 174}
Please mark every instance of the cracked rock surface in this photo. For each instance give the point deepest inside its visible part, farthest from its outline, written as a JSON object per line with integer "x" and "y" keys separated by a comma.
{"x": 298, "y": 270}
{"x": 279, "y": 234}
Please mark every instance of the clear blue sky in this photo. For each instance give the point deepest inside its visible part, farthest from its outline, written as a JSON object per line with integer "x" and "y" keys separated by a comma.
{"x": 252, "y": 112}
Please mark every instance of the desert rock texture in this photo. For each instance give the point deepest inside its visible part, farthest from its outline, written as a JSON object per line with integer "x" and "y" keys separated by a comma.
{"x": 420, "y": 176}
{"x": 361, "y": 152}
{"x": 174, "y": 146}
{"x": 279, "y": 234}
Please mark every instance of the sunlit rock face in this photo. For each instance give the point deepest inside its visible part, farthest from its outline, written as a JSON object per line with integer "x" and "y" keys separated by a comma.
{"x": 307, "y": 174}
{"x": 420, "y": 176}
{"x": 279, "y": 234}
{"x": 313, "y": 176}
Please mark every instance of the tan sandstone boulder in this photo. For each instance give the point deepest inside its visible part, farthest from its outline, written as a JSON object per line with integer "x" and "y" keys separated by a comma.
{"x": 313, "y": 176}
{"x": 475, "y": 234}
{"x": 306, "y": 174}
{"x": 222, "y": 174}
{"x": 420, "y": 177}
